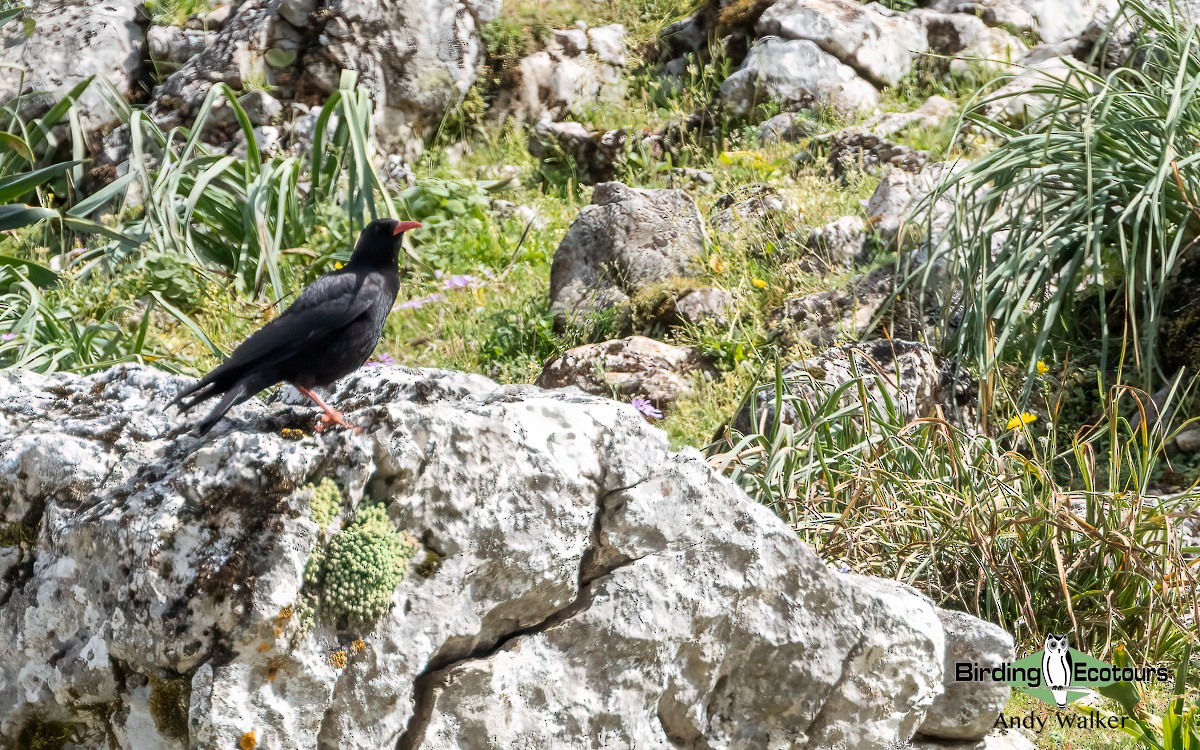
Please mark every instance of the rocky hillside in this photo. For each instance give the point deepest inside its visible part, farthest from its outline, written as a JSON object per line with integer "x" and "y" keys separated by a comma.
{"x": 907, "y": 286}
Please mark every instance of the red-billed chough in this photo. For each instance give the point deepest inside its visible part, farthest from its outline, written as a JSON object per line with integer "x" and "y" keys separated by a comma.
{"x": 327, "y": 333}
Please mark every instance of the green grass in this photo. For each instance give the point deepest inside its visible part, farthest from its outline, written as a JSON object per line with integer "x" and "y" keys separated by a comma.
{"x": 974, "y": 519}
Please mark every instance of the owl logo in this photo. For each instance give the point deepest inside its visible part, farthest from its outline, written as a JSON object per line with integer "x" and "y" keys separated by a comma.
{"x": 1056, "y": 668}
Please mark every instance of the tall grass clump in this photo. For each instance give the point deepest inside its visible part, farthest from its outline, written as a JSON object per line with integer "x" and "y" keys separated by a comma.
{"x": 242, "y": 216}
{"x": 1032, "y": 530}
{"x": 1087, "y": 210}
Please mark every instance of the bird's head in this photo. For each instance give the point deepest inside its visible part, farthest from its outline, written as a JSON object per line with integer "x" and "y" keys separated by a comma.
{"x": 379, "y": 243}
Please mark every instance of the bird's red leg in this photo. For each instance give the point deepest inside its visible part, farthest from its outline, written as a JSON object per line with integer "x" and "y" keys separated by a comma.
{"x": 331, "y": 416}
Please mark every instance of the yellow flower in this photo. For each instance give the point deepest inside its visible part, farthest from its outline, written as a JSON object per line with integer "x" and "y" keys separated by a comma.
{"x": 339, "y": 264}
{"x": 1023, "y": 418}
{"x": 716, "y": 265}
{"x": 1042, "y": 367}
{"x": 760, "y": 283}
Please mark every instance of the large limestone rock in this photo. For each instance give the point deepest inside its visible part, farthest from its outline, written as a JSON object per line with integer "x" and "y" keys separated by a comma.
{"x": 627, "y": 239}
{"x": 70, "y": 41}
{"x": 577, "y": 584}
{"x": 795, "y": 73}
{"x": 418, "y": 57}
{"x": 879, "y": 43}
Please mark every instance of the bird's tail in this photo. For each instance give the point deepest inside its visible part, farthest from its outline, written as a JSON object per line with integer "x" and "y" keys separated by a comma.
{"x": 1060, "y": 697}
{"x": 234, "y": 396}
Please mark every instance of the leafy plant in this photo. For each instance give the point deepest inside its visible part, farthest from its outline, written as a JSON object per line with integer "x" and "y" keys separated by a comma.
{"x": 1093, "y": 202}
{"x": 1177, "y": 729}
{"x": 245, "y": 217}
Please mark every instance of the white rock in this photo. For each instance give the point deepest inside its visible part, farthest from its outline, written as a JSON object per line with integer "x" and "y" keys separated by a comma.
{"x": 795, "y": 73}
{"x": 594, "y": 589}
{"x": 1052, "y": 20}
{"x": 625, "y": 368}
{"x": 967, "y": 710}
{"x": 70, "y": 41}
{"x": 878, "y": 43}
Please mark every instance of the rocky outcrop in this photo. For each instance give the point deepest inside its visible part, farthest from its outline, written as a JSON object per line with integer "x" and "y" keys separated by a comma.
{"x": 418, "y": 58}
{"x": 564, "y": 580}
{"x": 55, "y": 46}
{"x": 796, "y": 73}
{"x": 878, "y": 43}
{"x": 626, "y": 240}
{"x": 579, "y": 68}
{"x": 626, "y": 368}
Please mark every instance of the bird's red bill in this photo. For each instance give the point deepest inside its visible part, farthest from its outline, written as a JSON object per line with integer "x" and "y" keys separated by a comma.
{"x": 404, "y": 226}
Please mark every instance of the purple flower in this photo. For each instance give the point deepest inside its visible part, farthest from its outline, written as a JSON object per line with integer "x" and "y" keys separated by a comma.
{"x": 7, "y": 336}
{"x": 413, "y": 304}
{"x": 843, "y": 568}
{"x": 383, "y": 358}
{"x": 642, "y": 404}
{"x": 461, "y": 281}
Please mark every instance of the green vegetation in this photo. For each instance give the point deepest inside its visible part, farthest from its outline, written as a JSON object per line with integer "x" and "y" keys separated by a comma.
{"x": 1094, "y": 202}
{"x": 351, "y": 576}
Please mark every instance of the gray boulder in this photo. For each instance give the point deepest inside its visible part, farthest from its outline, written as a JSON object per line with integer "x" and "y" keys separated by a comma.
{"x": 572, "y": 582}
{"x": 878, "y": 43}
{"x": 68, "y": 41}
{"x": 626, "y": 368}
{"x": 968, "y": 710}
{"x": 795, "y": 73}
{"x": 627, "y": 239}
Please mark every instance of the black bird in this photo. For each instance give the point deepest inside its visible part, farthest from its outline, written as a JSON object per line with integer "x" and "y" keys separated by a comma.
{"x": 327, "y": 333}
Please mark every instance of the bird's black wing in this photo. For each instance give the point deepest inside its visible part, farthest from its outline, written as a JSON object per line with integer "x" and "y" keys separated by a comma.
{"x": 328, "y": 304}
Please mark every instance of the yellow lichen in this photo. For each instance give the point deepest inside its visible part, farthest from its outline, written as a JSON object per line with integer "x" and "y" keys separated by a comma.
{"x": 249, "y": 741}
{"x": 358, "y": 646}
{"x": 337, "y": 660}
{"x": 264, "y": 646}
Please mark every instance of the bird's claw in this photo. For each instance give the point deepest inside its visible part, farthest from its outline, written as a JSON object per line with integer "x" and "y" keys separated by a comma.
{"x": 336, "y": 418}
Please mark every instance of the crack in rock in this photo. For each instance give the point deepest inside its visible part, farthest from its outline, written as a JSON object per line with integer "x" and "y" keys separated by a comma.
{"x": 433, "y": 676}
